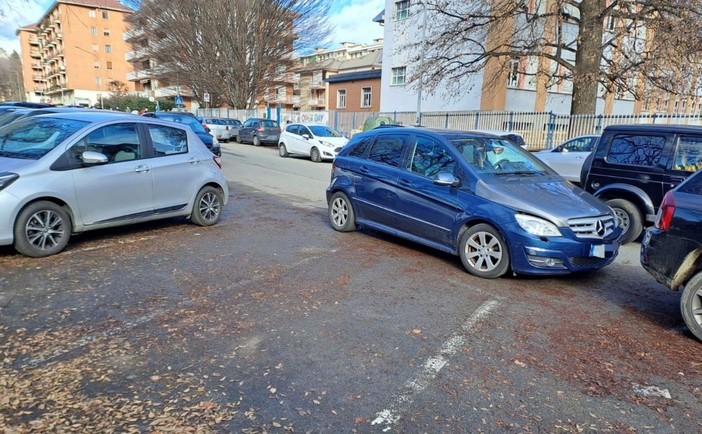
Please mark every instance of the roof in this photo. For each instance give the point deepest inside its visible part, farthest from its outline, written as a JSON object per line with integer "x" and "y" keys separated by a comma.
{"x": 380, "y": 18}
{"x": 654, "y": 127}
{"x": 351, "y": 76}
{"x": 100, "y": 4}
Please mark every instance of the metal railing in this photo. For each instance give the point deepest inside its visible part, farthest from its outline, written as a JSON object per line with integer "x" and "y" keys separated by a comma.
{"x": 541, "y": 130}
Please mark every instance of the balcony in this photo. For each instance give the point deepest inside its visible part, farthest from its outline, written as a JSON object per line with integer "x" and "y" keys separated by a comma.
{"x": 317, "y": 84}
{"x": 293, "y": 100}
{"x": 172, "y": 91}
{"x": 144, "y": 74}
{"x": 133, "y": 34}
{"x": 135, "y": 55}
{"x": 38, "y": 77}
{"x": 316, "y": 103}
{"x": 35, "y": 54}
{"x": 33, "y": 41}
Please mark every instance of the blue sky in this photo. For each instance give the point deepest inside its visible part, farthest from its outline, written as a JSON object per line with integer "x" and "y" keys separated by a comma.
{"x": 352, "y": 20}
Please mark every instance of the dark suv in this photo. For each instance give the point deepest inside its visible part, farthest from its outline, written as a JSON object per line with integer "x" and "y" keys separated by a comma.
{"x": 672, "y": 250}
{"x": 258, "y": 131}
{"x": 633, "y": 166}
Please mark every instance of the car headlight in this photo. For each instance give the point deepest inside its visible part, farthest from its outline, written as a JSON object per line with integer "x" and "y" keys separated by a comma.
{"x": 326, "y": 143}
{"x": 537, "y": 226}
{"x": 7, "y": 178}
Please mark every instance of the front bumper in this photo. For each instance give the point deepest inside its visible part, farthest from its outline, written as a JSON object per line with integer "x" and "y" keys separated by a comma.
{"x": 560, "y": 255}
{"x": 8, "y": 212}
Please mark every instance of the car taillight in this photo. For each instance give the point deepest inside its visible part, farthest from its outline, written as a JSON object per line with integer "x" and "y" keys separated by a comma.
{"x": 218, "y": 161}
{"x": 205, "y": 127}
{"x": 666, "y": 212}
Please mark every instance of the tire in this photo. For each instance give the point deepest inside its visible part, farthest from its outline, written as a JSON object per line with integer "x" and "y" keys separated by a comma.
{"x": 341, "y": 213}
{"x": 207, "y": 208}
{"x": 282, "y": 150}
{"x": 484, "y": 251}
{"x": 691, "y": 305}
{"x": 236, "y": 139}
{"x": 315, "y": 155}
{"x": 42, "y": 229}
{"x": 255, "y": 141}
{"x": 629, "y": 218}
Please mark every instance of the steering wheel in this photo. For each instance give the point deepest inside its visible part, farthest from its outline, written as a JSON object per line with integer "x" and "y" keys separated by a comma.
{"x": 502, "y": 164}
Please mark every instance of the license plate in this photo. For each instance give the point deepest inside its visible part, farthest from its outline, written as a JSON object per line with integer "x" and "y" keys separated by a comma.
{"x": 597, "y": 251}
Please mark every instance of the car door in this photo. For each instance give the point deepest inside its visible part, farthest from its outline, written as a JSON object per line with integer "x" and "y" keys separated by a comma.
{"x": 425, "y": 209}
{"x": 123, "y": 187}
{"x": 176, "y": 168}
{"x": 292, "y": 138}
{"x": 304, "y": 143}
{"x": 376, "y": 181}
{"x": 568, "y": 158}
{"x": 245, "y": 133}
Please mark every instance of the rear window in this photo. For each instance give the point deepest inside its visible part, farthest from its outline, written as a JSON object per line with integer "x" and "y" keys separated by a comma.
{"x": 636, "y": 150}
{"x": 358, "y": 146}
{"x": 270, "y": 124}
{"x": 693, "y": 184}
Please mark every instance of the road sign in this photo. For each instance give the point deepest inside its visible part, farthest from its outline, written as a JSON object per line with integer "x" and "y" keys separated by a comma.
{"x": 206, "y": 97}
{"x": 179, "y": 100}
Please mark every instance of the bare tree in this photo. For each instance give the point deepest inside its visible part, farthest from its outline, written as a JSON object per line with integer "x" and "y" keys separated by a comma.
{"x": 11, "y": 84}
{"x": 620, "y": 46}
{"x": 234, "y": 50}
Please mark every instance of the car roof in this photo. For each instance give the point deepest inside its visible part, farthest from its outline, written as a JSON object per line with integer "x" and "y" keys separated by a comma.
{"x": 653, "y": 127}
{"x": 436, "y": 131}
{"x": 99, "y": 116}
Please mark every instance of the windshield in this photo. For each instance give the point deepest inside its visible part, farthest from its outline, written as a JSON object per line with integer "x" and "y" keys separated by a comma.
{"x": 323, "y": 131}
{"x": 487, "y": 155}
{"x": 33, "y": 138}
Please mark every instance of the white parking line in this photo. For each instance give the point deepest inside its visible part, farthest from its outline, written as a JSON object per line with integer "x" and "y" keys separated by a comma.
{"x": 401, "y": 403}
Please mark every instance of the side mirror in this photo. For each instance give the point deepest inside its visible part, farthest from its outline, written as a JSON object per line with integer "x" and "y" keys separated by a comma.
{"x": 92, "y": 158}
{"x": 445, "y": 178}
{"x": 306, "y": 136}
{"x": 564, "y": 150}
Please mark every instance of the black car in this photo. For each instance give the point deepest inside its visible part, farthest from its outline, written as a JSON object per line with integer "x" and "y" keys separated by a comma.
{"x": 633, "y": 166}
{"x": 195, "y": 125}
{"x": 672, "y": 250}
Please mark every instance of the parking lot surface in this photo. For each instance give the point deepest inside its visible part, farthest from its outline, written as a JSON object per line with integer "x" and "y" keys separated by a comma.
{"x": 272, "y": 322}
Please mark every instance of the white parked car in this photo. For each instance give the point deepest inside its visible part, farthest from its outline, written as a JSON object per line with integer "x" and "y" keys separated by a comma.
{"x": 567, "y": 158}
{"x": 317, "y": 141}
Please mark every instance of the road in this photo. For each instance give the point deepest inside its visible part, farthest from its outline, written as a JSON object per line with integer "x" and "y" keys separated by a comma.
{"x": 272, "y": 322}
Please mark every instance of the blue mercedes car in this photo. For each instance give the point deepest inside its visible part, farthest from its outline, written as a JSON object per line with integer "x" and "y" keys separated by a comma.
{"x": 474, "y": 195}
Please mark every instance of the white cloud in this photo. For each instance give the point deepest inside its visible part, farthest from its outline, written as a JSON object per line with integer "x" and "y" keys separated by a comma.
{"x": 354, "y": 22}
{"x": 16, "y": 14}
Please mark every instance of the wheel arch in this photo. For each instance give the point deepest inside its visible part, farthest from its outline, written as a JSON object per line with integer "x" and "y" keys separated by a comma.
{"x": 633, "y": 194}
{"x": 62, "y": 203}
{"x": 691, "y": 266}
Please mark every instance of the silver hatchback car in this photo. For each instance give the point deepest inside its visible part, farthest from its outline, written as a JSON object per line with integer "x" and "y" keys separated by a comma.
{"x": 67, "y": 173}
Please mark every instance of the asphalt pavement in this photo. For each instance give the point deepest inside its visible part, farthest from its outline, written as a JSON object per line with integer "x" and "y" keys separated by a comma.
{"x": 272, "y": 322}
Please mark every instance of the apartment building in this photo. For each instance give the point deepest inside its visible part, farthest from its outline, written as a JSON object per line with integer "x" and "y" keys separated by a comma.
{"x": 354, "y": 85}
{"x": 520, "y": 87}
{"x": 73, "y": 53}
{"x": 311, "y": 83}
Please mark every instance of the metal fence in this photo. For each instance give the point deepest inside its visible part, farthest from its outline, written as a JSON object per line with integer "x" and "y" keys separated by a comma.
{"x": 540, "y": 130}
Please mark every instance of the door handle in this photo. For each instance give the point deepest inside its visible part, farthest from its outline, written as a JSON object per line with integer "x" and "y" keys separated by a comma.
{"x": 363, "y": 169}
{"x": 142, "y": 168}
{"x": 406, "y": 182}
{"x": 193, "y": 160}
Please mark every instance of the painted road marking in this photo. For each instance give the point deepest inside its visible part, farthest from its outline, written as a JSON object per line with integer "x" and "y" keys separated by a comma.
{"x": 401, "y": 403}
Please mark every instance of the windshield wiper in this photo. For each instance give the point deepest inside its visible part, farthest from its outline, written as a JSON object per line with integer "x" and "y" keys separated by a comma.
{"x": 520, "y": 173}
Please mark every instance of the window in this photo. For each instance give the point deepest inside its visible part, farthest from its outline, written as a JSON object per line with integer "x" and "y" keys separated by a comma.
{"x": 98, "y": 81}
{"x": 430, "y": 158}
{"x": 106, "y": 32}
{"x": 108, "y": 65}
{"x": 119, "y": 142}
{"x": 387, "y": 150}
{"x": 105, "y": 15}
{"x": 96, "y": 65}
{"x": 584, "y": 144}
{"x": 693, "y": 185}
{"x": 636, "y": 150}
{"x": 513, "y": 77}
{"x": 366, "y": 97}
{"x": 399, "y": 75}
{"x": 293, "y": 129}
{"x": 91, "y": 13}
{"x": 93, "y": 31}
{"x": 688, "y": 154}
{"x": 359, "y": 146}
{"x": 402, "y": 9}
{"x": 108, "y": 48}
{"x": 95, "y": 48}
{"x": 341, "y": 98}
{"x": 168, "y": 140}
